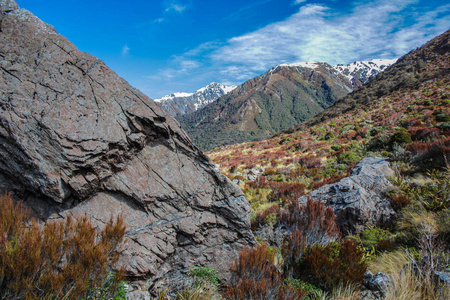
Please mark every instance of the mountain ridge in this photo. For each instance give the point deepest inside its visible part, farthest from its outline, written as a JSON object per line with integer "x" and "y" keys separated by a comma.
{"x": 285, "y": 95}
{"x": 407, "y": 72}
{"x": 180, "y": 103}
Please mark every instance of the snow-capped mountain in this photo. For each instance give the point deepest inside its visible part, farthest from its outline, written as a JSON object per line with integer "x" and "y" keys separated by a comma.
{"x": 278, "y": 99}
{"x": 357, "y": 73}
{"x": 360, "y": 71}
{"x": 177, "y": 104}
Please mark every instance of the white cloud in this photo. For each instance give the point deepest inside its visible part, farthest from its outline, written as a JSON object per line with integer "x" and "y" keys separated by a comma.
{"x": 173, "y": 6}
{"x": 125, "y": 51}
{"x": 296, "y": 2}
{"x": 316, "y": 32}
{"x": 239, "y": 73}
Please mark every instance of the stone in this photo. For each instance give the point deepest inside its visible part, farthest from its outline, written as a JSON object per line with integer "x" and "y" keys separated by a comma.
{"x": 378, "y": 282}
{"x": 442, "y": 277}
{"x": 359, "y": 200}
{"x": 77, "y": 139}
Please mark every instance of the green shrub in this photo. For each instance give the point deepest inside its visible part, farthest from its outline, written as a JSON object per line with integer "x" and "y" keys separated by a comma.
{"x": 400, "y": 137}
{"x": 202, "y": 274}
{"x": 373, "y": 238}
{"x": 348, "y": 158}
{"x": 329, "y": 136}
{"x": 312, "y": 291}
{"x": 336, "y": 147}
{"x": 442, "y": 118}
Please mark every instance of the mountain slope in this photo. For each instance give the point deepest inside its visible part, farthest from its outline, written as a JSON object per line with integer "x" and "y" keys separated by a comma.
{"x": 282, "y": 97}
{"x": 424, "y": 64}
{"x": 410, "y": 123}
{"x": 178, "y": 104}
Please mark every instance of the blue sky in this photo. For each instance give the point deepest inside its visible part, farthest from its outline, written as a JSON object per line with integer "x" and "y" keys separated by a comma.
{"x": 166, "y": 46}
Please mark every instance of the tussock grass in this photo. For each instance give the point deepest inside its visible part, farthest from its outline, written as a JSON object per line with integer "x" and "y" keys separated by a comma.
{"x": 341, "y": 292}
{"x": 406, "y": 284}
{"x": 390, "y": 262}
{"x": 203, "y": 291}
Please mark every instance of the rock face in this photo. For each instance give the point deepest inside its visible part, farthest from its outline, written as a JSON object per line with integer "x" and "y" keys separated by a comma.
{"x": 358, "y": 200}
{"x": 77, "y": 139}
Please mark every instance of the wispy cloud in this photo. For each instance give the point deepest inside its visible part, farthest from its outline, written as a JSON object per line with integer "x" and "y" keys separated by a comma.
{"x": 245, "y": 9}
{"x": 171, "y": 7}
{"x": 175, "y": 6}
{"x": 125, "y": 51}
{"x": 296, "y": 2}
{"x": 317, "y": 32}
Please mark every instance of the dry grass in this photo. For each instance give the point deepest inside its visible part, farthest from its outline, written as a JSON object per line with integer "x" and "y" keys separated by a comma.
{"x": 389, "y": 263}
{"x": 200, "y": 292}
{"x": 407, "y": 285}
{"x": 344, "y": 292}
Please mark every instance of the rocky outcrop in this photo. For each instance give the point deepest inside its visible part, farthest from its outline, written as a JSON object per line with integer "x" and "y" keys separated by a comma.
{"x": 77, "y": 139}
{"x": 358, "y": 200}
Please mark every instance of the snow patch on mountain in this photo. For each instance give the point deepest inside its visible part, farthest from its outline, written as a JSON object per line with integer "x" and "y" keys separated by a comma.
{"x": 181, "y": 103}
{"x": 307, "y": 64}
{"x": 363, "y": 70}
{"x": 174, "y": 95}
{"x": 357, "y": 73}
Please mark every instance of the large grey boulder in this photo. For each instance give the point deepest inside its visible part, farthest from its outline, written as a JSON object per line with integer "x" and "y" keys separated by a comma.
{"x": 359, "y": 200}
{"x": 78, "y": 139}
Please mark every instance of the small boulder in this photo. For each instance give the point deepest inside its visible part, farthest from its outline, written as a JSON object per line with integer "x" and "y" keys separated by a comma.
{"x": 359, "y": 200}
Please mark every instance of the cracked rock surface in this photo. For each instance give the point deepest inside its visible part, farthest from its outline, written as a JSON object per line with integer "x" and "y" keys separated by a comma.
{"x": 359, "y": 200}
{"x": 76, "y": 139}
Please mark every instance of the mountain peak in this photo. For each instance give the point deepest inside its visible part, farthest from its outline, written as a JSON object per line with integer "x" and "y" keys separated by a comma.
{"x": 307, "y": 64}
{"x": 177, "y": 104}
{"x": 282, "y": 97}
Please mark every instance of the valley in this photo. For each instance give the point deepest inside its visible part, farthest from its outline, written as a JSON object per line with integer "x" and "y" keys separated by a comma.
{"x": 318, "y": 181}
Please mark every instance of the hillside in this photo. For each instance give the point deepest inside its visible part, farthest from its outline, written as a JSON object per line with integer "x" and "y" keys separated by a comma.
{"x": 409, "y": 72}
{"x": 282, "y": 97}
{"x": 179, "y": 103}
{"x": 409, "y": 124}
{"x": 379, "y": 159}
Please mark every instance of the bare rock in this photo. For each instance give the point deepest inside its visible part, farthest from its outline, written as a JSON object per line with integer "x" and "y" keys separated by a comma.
{"x": 377, "y": 283}
{"x": 78, "y": 139}
{"x": 358, "y": 200}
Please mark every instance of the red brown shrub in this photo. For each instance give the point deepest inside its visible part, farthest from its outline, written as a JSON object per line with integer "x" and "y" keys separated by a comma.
{"x": 336, "y": 263}
{"x": 399, "y": 201}
{"x": 437, "y": 156}
{"x": 316, "y": 221}
{"x": 311, "y": 224}
{"x": 332, "y": 179}
{"x": 255, "y": 276}
{"x": 67, "y": 259}
{"x": 418, "y": 147}
{"x": 423, "y": 133}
